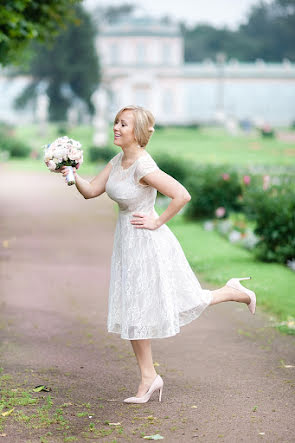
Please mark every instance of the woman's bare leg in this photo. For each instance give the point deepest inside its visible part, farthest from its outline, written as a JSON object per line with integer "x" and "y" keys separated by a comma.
{"x": 229, "y": 294}
{"x": 143, "y": 349}
{"x": 143, "y": 353}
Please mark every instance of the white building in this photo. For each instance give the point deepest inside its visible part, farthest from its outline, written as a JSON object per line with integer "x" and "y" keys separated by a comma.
{"x": 143, "y": 63}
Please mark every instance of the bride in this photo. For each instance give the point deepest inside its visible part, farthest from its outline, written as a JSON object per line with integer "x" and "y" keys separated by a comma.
{"x": 153, "y": 290}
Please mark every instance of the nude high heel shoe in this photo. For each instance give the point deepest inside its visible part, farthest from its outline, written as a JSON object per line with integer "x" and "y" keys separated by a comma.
{"x": 235, "y": 283}
{"x": 157, "y": 384}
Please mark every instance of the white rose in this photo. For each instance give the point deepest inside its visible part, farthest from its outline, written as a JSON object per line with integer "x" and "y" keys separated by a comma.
{"x": 51, "y": 165}
{"x": 47, "y": 156}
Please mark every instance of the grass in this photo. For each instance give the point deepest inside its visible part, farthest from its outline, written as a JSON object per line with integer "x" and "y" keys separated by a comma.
{"x": 35, "y": 413}
{"x": 215, "y": 146}
{"x": 215, "y": 260}
{"x": 205, "y": 145}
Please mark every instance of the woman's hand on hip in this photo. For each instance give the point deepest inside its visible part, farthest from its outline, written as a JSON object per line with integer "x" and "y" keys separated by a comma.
{"x": 144, "y": 221}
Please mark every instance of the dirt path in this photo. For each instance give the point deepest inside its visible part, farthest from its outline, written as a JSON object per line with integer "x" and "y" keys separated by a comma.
{"x": 225, "y": 375}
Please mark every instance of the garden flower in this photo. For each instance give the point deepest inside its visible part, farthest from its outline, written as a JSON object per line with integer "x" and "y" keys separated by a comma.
{"x": 291, "y": 264}
{"x": 209, "y": 225}
{"x": 224, "y": 226}
{"x": 266, "y": 182}
{"x": 220, "y": 211}
{"x": 234, "y": 236}
{"x": 246, "y": 179}
{"x": 225, "y": 176}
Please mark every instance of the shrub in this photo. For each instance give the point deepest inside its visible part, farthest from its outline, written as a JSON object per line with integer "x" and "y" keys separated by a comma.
{"x": 274, "y": 212}
{"x": 172, "y": 166}
{"x": 213, "y": 187}
{"x": 13, "y": 146}
{"x": 101, "y": 154}
{"x": 267, "y": 132}
{"x": 62, "y": 129}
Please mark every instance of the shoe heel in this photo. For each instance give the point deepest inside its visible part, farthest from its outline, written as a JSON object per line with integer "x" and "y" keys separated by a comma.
{"x": 160, "y": 394}
{"x": 244, "y": 278}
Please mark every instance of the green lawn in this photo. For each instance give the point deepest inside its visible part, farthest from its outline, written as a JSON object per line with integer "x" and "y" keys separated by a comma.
{"x": 216, "y": 260}
{"x": 206, "y": 145}
{"x": 214, "y": 145}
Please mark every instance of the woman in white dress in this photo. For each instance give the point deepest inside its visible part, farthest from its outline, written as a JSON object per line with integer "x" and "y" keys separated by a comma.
{"x": 153, "y": 290}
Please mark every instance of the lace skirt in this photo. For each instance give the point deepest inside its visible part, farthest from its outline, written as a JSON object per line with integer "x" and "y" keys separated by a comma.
{"x": 153, "y": 290}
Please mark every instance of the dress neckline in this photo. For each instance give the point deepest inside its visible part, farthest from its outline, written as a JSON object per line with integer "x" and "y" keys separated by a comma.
{"x": 126, "y": 169}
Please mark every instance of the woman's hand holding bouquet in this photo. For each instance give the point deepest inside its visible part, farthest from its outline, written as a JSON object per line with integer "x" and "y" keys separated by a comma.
{"x": 64, "y": 155}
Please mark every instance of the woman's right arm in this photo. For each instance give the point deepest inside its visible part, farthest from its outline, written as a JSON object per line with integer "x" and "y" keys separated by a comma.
{"x": 97, "y": 185}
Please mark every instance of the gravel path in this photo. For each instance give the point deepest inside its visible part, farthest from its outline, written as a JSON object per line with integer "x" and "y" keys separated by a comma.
{"x": 225, "y": 374}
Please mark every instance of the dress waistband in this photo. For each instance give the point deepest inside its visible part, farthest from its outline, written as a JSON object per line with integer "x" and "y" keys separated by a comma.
{"x": 130, "y": 213}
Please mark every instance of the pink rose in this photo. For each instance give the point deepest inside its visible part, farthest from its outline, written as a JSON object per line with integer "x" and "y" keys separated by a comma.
{"x": 246, "y": 179}
{"x": 74, "y": 154}
{"x": 266, "y": 182}
{"x": 220, "y": 211}
{"x": 225, "y": 176}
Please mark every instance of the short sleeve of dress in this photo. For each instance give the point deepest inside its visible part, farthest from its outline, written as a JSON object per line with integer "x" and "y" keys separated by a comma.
{"x": 145, "y": 165}
{"x": 114, "y": 159}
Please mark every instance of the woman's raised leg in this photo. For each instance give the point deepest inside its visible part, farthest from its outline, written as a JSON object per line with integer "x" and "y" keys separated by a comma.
{"x": 226, "y": 293}
{"x": 143, "y": 353}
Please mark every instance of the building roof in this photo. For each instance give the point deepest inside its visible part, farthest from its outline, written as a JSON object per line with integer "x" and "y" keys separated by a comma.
{"x": 140, "y": 26}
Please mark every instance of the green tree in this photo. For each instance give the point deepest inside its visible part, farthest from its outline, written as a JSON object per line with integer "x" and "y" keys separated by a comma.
{"x": 269, "y": 33}
{"x": 22, "y": 21}
{"x": 69, "y": 68}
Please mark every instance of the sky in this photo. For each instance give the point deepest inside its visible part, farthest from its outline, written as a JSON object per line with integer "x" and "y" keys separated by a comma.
{"x": 219, "y": 13}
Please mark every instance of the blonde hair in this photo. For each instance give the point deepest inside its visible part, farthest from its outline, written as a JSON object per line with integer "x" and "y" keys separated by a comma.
{"x": 143, "y": 123}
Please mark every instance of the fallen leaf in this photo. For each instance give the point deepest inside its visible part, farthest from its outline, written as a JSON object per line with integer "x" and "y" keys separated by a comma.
{"x": 289, "y": 366}
{"x": 261, "y": 433}
{"x": 7, "y": 412}
{"x": 153, "y": 437}
{"x": 5, "y": 243}
{"x": 115, "y": 424}
{"x": 41, "y": 388}
{"x": 3, "y": 435}
{"x": 156, "y": 364}
{"x": 194, "y": 406}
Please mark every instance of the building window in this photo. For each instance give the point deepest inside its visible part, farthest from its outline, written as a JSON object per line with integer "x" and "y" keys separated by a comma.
{"x": 168, "y": 101}
{"x": 140, "y": 53}
{"x": 167, "y": 53}
{"x": 141, "y": 97}
{"x": 114, "y": 54}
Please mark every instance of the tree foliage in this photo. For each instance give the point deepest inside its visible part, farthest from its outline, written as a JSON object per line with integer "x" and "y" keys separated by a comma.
{"x": 269, "y": 34}
{"x": 69, "y": 67}
{"x": 22, "y": 21}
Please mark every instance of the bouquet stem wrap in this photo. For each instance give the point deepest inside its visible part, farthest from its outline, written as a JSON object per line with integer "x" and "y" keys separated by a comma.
{"x": 70, "y": 176}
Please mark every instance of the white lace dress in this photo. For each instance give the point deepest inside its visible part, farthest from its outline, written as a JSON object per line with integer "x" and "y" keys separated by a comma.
{"x": 153, "y": 290}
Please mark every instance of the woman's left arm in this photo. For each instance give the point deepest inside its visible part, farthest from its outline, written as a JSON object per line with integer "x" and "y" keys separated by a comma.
{"x": 170, "y": 187}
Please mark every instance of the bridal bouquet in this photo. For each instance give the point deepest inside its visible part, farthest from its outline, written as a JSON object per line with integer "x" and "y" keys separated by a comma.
{"x": 64, "y": 151}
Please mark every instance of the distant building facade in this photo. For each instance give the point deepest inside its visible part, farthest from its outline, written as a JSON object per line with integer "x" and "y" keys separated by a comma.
{"x": 143, "y": 63}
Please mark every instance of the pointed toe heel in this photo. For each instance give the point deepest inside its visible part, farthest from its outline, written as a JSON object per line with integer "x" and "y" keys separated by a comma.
{"x": 156, "y": 385}
{"x": 235, "y": 283}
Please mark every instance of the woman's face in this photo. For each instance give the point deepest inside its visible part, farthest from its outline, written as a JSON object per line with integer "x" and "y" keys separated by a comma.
{"x": 124, "y": 129}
